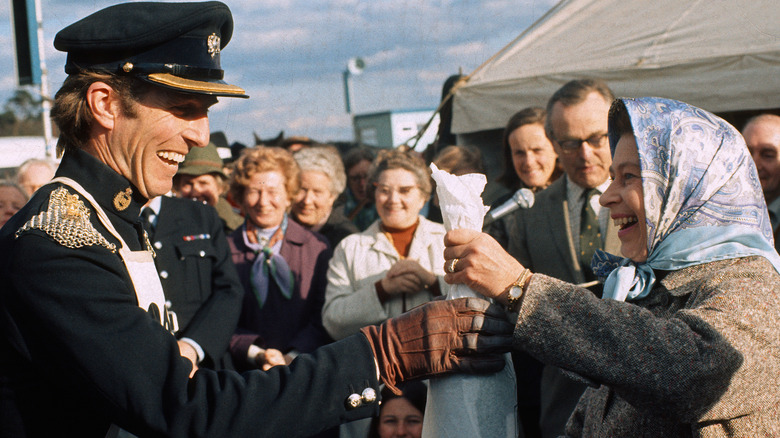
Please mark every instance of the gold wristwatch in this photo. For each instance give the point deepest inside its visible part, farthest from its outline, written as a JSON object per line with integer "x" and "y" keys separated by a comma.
{"x": 515, "y": 292}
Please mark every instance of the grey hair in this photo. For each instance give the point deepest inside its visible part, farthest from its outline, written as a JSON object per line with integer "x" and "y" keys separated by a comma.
{"x": 24, "y": 167}
{"x": 325, "y": 159}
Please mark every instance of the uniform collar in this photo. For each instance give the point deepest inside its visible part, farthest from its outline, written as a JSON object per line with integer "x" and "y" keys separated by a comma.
{"x": 113, "y": 192}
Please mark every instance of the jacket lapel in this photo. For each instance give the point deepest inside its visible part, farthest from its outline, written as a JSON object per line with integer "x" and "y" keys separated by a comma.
{"x": 557, "y": 216}
{"x": 165, "y": 222}
{"x": 421, "y": 247}
{"x": 381, "y": 243}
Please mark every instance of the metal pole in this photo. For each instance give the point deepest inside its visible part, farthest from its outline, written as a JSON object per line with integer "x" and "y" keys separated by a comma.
{"x": 45, "y": 98}
{"x": 346, "y": 90}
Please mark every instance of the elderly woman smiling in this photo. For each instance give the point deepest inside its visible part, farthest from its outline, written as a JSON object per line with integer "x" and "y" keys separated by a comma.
{"x": 281, "y": 265}
{"x": 686, "y": 341}
{"x": 396, "y": 263}
{"x": 322, "y": 181}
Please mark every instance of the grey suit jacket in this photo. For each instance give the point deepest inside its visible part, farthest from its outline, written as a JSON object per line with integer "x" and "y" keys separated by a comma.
{"x": 541, "y": 240}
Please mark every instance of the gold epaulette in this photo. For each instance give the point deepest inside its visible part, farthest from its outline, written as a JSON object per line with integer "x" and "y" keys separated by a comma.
{"x": 67, "y": 222}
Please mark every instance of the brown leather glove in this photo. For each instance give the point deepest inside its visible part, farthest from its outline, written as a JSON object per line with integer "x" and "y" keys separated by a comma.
{"x": 467, "y": 334}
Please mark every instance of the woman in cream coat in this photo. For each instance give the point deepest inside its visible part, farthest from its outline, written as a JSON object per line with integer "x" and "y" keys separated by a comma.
{"x": 395, "y": 264}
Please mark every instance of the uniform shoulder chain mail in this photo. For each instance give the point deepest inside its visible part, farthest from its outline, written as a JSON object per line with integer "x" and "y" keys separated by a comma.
{"x": 67, "y": 222}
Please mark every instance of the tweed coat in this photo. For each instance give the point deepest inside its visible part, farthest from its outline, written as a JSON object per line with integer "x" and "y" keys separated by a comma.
{"x": 77, "y": 353}
{"x": 699, "y": 356}
{"x": 359, "y": 261}
{"x": 540, "y": 239}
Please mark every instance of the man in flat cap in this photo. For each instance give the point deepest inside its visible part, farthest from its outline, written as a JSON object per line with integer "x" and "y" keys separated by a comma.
{"x": 85, "y": 335}
{"x": 200, "y": 177}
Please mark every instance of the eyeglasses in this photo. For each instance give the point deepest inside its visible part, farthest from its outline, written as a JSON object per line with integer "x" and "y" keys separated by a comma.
{"x": 596, "y": 141}
{"x": 385, "y": 190}
{"x": 358, "y": 177}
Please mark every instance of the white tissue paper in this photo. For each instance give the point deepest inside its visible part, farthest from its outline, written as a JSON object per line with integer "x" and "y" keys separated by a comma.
{"x": 462, "y": 405}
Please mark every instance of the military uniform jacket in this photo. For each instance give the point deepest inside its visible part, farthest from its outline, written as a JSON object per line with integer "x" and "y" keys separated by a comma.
{"x": 77, "y": 353}
{"x": 197, "y": 274}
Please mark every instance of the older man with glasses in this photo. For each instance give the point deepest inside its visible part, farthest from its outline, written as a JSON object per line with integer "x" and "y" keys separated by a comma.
{"x": 566, "y": 225}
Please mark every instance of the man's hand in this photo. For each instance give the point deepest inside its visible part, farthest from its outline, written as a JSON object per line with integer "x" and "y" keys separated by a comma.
{"x": 268, "y": 358}
{"x": 186, "y": 350}
{"x": 467, "y": 334}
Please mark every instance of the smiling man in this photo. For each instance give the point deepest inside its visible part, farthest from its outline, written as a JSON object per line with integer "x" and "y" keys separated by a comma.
{"x": 201, "y": 178}
{"x": 86, "y": 343}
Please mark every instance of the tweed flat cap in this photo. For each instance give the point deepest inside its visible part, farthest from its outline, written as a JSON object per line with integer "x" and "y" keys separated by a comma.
{"x": 200, "y": 161}
{"x": 173, "y": 45}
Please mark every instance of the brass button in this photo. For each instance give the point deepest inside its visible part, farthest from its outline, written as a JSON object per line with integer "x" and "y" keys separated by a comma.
{"x": 354, "y": 401}
{"x": 369, "y": 395}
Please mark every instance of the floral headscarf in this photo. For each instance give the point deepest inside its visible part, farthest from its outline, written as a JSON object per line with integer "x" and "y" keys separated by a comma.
{"x": 703, "y": 200}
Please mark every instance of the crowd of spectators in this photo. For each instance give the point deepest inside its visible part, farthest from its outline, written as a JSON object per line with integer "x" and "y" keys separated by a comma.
{"x": 314, "y": 244}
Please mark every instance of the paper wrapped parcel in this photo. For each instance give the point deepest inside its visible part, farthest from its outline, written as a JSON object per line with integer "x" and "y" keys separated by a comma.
{"x": 460, "y": 405}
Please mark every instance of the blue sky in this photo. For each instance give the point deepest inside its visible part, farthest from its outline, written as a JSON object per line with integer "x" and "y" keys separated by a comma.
{"x": 289, "y": 55}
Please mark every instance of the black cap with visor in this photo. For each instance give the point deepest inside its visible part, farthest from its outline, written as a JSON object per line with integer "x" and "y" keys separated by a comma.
{"x": 173, "y": 45}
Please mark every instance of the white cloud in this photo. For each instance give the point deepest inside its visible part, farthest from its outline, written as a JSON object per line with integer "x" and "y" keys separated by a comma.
{"x": 304, "y": 123}
{"x": 385, "y": 57}
{"x": 266, "y": 40}
{"x": 438, "y": 76}
{"x": 289, "y": 55}
{"x": 467, "y": 49}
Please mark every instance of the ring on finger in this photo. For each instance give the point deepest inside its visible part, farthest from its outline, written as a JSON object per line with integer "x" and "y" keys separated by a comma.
{"x": 451, "y": 266}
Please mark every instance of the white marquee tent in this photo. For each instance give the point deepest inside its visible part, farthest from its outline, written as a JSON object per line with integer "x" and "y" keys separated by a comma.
{"x": 721, "y": 55}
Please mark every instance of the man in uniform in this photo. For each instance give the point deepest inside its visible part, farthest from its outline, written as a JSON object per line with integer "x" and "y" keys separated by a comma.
{"x": 85, "y": 337}
{"x": 197, "y": 274}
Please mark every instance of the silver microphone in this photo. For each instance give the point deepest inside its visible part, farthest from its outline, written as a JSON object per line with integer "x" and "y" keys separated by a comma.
{"x": 523, "y": 198}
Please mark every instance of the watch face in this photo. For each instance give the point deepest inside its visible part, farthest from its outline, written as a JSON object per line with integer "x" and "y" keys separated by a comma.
{"x": 515, "y": 292}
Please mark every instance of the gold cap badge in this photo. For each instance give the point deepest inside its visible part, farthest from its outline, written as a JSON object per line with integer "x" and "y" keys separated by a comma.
{"x": 213, "y": 43}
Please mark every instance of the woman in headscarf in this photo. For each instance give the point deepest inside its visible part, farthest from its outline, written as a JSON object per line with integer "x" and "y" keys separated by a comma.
{"x": 686, "y": 341}
{"x": 282, "y": 266}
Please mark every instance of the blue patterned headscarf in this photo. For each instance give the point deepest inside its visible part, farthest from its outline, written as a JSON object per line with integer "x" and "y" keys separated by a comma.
{"x": 703, "y": 200}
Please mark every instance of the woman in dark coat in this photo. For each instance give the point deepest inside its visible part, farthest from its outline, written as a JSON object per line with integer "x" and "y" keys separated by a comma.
{"x": 282, "y": 266}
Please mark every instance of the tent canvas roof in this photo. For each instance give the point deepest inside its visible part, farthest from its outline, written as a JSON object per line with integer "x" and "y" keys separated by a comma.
{"x": 721, "y": 55}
